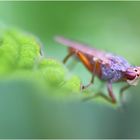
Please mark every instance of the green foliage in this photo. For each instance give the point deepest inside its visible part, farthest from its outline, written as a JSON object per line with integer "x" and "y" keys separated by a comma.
{"x": 53, "y": 72}
{"x": 21, "y": 58}
{"x": 17, "y": 50}
{"x": 28, "y": 50}
{"x": 73, "y": 84}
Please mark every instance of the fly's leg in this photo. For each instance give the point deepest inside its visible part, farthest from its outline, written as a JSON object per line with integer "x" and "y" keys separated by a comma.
{"x": 123, "y": 89}
{"x": 67, "y": 57}
{"x": 73, "y": 64}
{"x": 112, "y": 98}
{"x": 92, "y": 78}
{"x": 100, "y": 94}
{"x": 88, "y": 85}
{"x": 86, "y": 62}
{"x": 122, "y": 92}
{"x": 93, "y": 96}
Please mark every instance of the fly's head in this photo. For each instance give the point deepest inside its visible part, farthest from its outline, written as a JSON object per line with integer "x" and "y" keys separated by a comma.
{"x": 132, "y": 75}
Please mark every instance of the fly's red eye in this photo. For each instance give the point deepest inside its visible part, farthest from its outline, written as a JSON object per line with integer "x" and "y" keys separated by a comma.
{"x": 130, "y": 75}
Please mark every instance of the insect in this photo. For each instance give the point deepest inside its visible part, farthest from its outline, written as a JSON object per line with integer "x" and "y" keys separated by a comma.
{"x": 106, "y": 66}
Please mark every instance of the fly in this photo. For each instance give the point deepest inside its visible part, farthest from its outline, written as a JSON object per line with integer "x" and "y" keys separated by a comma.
{"x": 106, "y": 66}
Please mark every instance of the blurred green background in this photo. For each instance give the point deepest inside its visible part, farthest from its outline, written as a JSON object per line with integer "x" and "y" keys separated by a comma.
{"x": 111, "y": 26}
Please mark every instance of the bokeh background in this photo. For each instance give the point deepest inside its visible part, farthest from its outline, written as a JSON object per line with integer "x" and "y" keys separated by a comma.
{"x": 111, "y": 26}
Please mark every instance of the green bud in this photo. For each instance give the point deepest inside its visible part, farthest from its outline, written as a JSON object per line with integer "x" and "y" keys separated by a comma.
{"x": 53, "y": 76}
{"x": 29, "y": 49}
{"x": 50, "y": 63}
{"x": 73, "y": 84}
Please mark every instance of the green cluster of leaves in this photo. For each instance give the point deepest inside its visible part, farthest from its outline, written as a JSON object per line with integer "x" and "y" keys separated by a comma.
{"x": 17, "y": 51}
{"x": 20, "y": 57}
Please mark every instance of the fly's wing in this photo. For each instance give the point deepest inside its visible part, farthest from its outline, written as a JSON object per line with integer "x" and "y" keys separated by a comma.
{"x": 86, "y": 49}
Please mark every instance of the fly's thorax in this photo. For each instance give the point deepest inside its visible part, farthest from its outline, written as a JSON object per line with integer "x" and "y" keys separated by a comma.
{"x": 110, "y": 74}
{"x": 113, "y": 70}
